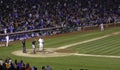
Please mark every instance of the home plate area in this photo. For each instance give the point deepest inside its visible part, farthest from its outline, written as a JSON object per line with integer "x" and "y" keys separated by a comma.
{"x": 48, "y": 52}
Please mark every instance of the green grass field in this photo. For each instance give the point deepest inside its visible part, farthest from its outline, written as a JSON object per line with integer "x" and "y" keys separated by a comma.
{"x": 106, "y": 46}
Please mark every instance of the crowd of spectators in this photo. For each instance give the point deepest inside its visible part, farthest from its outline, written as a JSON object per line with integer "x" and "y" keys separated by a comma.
{"x": 9, "y": 64}
{"x": 23, "y": 15}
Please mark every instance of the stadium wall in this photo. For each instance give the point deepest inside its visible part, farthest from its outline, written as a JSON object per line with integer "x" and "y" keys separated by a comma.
{"x": 50, "y": 31}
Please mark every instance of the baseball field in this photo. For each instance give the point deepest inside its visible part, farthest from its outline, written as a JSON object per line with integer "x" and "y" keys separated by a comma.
{"x": 90, "y": 50}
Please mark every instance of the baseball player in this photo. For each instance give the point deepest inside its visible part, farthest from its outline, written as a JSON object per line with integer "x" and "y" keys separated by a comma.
{"x": 41, "y": 42}
{"x": 102, "y": 26}
{"x": 7, "y": 40}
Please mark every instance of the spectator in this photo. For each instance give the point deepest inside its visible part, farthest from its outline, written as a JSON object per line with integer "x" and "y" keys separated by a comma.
{"x": 15, "y": 64}
{"x": 27, "y": 67}
{"x": 20, "y": 65}
{"x": 43, "y": 68}
{"x": 1, "y": 63}
{"x": 48, "y": 67}
{"x": 34, "y": 68}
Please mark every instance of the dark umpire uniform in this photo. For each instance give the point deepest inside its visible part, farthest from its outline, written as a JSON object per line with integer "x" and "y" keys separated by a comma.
{"x": 33, "y": 46}
{"x": 24, "y": 46}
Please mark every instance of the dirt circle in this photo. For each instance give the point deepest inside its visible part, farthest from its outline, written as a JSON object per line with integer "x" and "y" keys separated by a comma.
{"x": 49, "y": 52}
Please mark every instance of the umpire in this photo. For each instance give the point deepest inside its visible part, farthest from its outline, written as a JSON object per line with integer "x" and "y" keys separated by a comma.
{"x": 24, "y": 45}
{"x": 33, "y": 46}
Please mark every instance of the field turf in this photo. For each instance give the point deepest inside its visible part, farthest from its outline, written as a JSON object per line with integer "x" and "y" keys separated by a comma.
{"x": 106, "y": 46}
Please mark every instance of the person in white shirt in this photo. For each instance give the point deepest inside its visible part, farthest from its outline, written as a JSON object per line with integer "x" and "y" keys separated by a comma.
{"x": 1, "y": 61}
{"x": 7, "y": 40}
{"x": 102, "y": 26}
{"x": 41, "y": 43}
{"x": 5, "y": 31}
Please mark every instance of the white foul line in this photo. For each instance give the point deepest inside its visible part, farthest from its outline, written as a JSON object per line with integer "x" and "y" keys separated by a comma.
{"x": 107, "y": 56}
{"x": 74, "y": 44}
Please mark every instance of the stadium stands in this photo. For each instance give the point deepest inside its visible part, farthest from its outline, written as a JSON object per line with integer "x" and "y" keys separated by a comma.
{"x": 9, "y": 64}
{"x": 25, "y": 15}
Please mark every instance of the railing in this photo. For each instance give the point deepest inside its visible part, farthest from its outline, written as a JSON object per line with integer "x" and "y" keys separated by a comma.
{"x": 51, "y": 31}
{"x": 36, "y": 30}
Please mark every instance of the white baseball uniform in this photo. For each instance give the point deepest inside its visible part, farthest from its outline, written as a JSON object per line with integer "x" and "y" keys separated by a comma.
{"x": 102, "y": 27}
{"x": 41, "y": 41}
{"x": 7, "y": 40}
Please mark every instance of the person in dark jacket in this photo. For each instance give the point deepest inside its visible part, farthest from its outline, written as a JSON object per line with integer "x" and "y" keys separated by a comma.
{"x": 33, "y": 46}
{"x": 24, "y": 45}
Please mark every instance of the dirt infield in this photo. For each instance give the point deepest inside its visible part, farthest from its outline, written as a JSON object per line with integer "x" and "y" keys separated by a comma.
{"x": 49, "y": 52}
{"x": 62, "y": 51}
